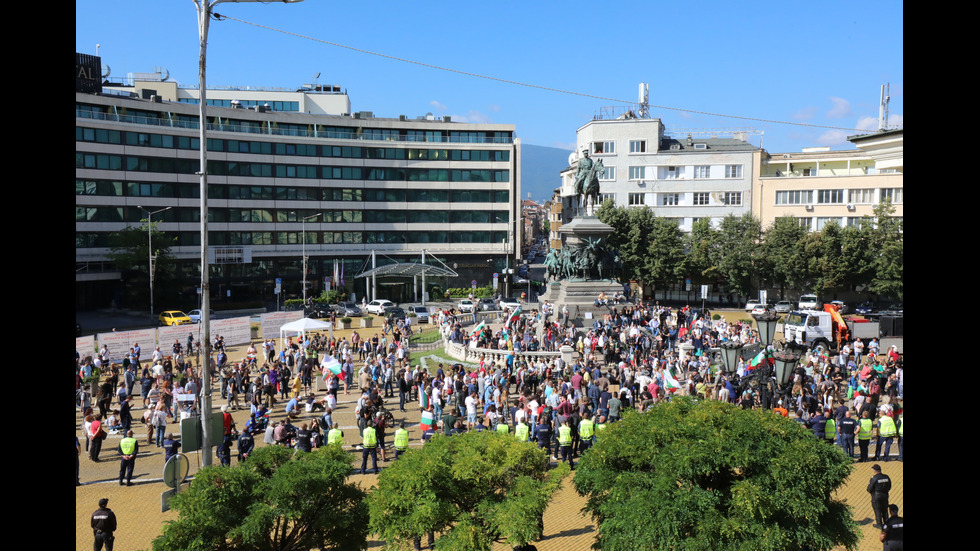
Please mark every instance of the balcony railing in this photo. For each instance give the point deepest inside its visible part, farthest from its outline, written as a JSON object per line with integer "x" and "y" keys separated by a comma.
{"x": 269, "y": 128}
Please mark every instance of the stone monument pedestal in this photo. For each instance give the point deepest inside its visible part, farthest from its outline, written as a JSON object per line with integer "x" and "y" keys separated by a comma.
{"x": 580, "y": 294}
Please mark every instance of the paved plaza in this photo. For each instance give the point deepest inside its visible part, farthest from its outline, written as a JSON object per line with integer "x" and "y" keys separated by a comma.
{"x": 566, "y": 528}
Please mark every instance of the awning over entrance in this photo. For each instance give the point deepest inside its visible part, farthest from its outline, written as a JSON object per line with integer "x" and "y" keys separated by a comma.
{"x": 408, "y": 269}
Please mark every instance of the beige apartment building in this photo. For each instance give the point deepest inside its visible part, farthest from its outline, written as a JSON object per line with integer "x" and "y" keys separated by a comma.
{"x": 819, "y": 185}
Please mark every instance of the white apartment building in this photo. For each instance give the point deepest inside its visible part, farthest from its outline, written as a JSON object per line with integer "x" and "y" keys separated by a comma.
{"x": 683, "y": 178}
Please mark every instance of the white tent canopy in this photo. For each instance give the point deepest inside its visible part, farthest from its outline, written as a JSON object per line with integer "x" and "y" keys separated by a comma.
{"x": 300, "y": 327}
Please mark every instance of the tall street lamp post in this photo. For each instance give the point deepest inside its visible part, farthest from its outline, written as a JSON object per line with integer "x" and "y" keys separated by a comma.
{"x": 205, "y": 9}
{"x": 149, "y": 238}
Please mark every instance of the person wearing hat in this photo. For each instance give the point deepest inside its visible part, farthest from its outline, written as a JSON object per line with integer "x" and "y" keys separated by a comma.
{"x": 103, "y": 526}
{"x": 878, "y": 487}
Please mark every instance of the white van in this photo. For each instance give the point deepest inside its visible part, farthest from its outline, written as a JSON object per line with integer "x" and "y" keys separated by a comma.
{"x": 809, "y": 302}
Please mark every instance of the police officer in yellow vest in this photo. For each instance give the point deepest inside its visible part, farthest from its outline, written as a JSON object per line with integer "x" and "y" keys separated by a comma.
{"x": 522, "y": 432}
{"x": 864, "y": 435}
{"x": 401, "y": 440}
{"x": 335, "y": 436}
{"x": 830, "y": 431}
{"x": 128, "y": 449}
{"x": 586, "y": 430}
{"x": 369, "y": 447}
{"x": 565, "y": 443}
{"x": 600, "y": 426}
{"x": 503, "y": 428}
{"x": 886, "y": 434}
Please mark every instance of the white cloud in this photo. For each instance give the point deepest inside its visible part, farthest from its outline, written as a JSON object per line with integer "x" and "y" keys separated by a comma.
{"x": 833, "y": 137}
{"x": 867, "y": 123}
{"x": 805, "y": 114}
{"x": 568, "y": 146}
{"x": 841, "y": 108}
{"x": 438, "y": 106}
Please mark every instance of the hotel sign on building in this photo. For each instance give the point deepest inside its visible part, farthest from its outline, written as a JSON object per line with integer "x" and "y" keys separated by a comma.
{"x": 88, "y": 73}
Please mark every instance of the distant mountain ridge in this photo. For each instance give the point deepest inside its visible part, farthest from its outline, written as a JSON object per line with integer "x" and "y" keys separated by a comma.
{"x": 540, "y": 169}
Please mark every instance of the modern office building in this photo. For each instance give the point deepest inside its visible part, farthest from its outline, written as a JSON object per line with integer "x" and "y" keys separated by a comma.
{"x": 683, "y": 178}
{"x": 819, "y": 185}
{"x": 394, "y": 187}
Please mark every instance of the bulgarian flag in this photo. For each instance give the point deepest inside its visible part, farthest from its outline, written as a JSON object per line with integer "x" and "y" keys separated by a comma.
{"x": 424, "y": 400}
{"x": 514, "y": 316}
{"x": 428, "y": 421}
{"x": 670, "y": 383}
{"x": 475, "y": 334}
{"x": 331, "y": 365}
{"x": 758, "y": 360}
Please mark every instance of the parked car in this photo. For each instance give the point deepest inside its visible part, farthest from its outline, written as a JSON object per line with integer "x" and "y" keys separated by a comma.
{"x": 348, "y": 308}
{"x": 841, "y": 307}
{"x": 395, "y": 312}
{"x": 195, "y": 315}
{"x": 785, "y": 306}
{"x": 866, "y": 307}
{"x": 377, "y": 307}
{"x": 466, "y": 305}
{"x": 486, "y": 305}
{"x": 318, "y": 310}
{"x": 509, "y": 302}
{"x": 421, "y": 313}
{"x": 174, "y": 317}
{"x": 761, "y": 308}
{"x": 752, "y": 305}
{"x": 897, "y": 309}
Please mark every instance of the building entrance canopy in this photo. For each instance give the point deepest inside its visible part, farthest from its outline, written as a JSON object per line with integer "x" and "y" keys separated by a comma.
{"x": 408, "y": 269}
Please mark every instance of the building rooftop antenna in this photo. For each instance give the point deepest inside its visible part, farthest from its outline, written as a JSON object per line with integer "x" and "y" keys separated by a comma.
{"x": 643, "y": 110}
{"x": 883, "y": 108}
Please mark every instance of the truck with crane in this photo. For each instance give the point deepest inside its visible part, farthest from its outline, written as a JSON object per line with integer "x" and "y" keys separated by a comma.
{"x": 826, "y": 329}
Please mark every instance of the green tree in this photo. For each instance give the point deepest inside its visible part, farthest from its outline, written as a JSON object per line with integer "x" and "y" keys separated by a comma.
{"x": 632, "y": 228}
{"x": 858, "y": 252}
{"x": 700, "y": 246}
{"x": 737, "y": 251}
{"x": 832, "y": 269}
{"x": 889, "y": 244}
{"x": 129, "y": 250}
{"x": 472, "y": 489}
{"x": 665, "y": 253}
{"x": 783, "y": 262}
{"x": 707, "y": 476}
{"x": 275, "y": 501}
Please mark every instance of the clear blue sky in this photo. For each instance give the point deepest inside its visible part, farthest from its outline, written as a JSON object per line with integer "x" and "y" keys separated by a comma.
{"x": 817, "y": 63}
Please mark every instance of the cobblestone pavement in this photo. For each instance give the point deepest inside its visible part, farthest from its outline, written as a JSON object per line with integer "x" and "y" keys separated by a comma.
{"x": 138, "y": 507}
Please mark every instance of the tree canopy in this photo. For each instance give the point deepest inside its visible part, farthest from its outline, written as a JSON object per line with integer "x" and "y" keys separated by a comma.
{"x": 275, "y": 501}
{"x": 707, "y": 475}
{"x": 737, "y": 253}
{"x": 471, "y": 489}
{"x": 129, "y": 250}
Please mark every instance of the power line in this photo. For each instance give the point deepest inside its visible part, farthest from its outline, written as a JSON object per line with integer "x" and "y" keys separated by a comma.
{"x": 527, "y": 85}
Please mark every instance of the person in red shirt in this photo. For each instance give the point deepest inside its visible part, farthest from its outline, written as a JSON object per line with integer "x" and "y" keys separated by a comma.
{"x": 228, "y": 421}
{"x": 96, "y": 435}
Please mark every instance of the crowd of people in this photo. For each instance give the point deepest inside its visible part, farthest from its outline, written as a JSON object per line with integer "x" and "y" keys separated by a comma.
{"x": 630, "y": 357}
